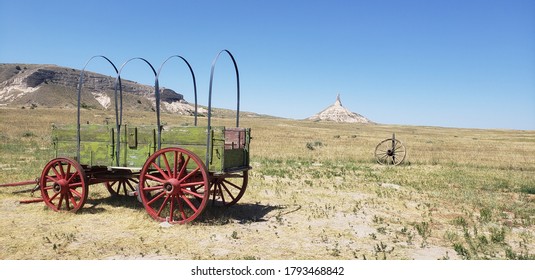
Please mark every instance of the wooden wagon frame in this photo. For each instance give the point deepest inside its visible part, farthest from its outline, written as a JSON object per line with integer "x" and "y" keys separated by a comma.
{"x": 162, "y": 165}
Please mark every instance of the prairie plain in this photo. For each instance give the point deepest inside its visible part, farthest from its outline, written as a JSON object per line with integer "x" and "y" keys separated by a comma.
{"x": 315, "y": 192}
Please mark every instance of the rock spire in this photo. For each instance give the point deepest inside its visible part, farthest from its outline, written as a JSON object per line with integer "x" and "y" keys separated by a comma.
{"x": 338, "y": 113}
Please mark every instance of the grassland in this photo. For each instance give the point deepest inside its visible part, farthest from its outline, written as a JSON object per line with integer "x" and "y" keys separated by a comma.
{"x": 315, "y": 192}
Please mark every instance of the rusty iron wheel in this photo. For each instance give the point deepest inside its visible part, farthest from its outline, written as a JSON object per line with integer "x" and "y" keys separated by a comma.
{"x": 64, "y": 185}
{"x": 227, "y": 189}
{"x": 167, "y": 183}
{"x": 390, "y": 152}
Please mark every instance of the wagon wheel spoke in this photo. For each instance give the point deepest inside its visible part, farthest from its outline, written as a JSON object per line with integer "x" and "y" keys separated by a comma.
{"x": 193, "y": 193}
{"x": 175, "y": 165}
{"x": 189, "y": 175}
{"x": 154, "y": 178}
{"x": 390, "y": 152}
{"x": 181, "y": 209}
{"x": 153, "y": 188}
{"x": 190, "y": 204}
{"x": 168, "y": 169}
{"x": 173, "y": 186}
{"x": 183, "y": 167}
{"x": 111, "y": 184}
{"x": 163, "y": 205}
{"x": 171, "y": 208}
{"x": 63, "y": 185}
{"x": 73, "y": 201}
{"x": 231, "y": 184}
{"x": 228, "y": 189}
{"x": 382, "y": 154}
{"x": 53, "y": 197}
{"x": 122, "y": 187}
{"x": 214, "y": 193}
{"x": 69, "y": 172}
{"x": 75, "y": 185}
{"x": 58, "y": 175}
{"x": 129, "y": 183}
{"x": 53, "y": 179}
{"x": 75, "y": 192}
{"x": 191, "y": 185}
{"x": 60, "y": 202}
{"x": 160, "y": 170}
{"x": 67, "y": 199}
{"x": 399, "y": 152}
{"x": 156, "y": 198}
{"x": 222, "y": 187}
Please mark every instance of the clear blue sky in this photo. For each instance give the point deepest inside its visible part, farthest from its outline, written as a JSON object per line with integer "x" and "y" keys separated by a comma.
{"x": 454, "y": 63}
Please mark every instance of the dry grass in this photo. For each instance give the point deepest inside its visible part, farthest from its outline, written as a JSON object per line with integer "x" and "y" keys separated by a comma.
{"x": 315, "y": 192}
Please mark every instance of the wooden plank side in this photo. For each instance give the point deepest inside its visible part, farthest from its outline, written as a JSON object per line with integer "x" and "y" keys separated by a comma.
{"x": 90, "y": 133}
{"x": 137, "y": 144}
{"x": 193, "y": 138}
{"x": 235, "y": 138}
{"x": 95, "y": 153}
{"x": 217, "y": 150}
{"x": 65, "y": 149}
{"x": 184, "y": 135}
{"x": 95, "y": 145}
{"x": 236, "y": 153}
{"x": 145, "y": 134}
{"x": 136, "y": 158}
{"x": 91, "y": 153}
{"x": 229, "y": 147}
{"x": 199, "y": 150}
{"x": 236, "y": 158}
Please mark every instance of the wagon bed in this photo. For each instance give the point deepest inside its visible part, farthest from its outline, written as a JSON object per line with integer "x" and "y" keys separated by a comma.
{"x": 228, "y": 150}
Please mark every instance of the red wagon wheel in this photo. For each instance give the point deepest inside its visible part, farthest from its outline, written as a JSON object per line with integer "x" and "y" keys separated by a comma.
{"x": 122, "y": 187}
{"x": 173, "y": 185}
{"x": 227, "y": 189}
{"x": 64, "y": 185}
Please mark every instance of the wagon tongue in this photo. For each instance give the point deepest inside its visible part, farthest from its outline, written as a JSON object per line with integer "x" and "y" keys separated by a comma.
{"x": 23, "y": 183}
{"x": 31, "y": 190}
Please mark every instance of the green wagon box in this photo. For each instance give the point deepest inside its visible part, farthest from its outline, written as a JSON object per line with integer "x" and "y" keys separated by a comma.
{"x": 228, "y": 147}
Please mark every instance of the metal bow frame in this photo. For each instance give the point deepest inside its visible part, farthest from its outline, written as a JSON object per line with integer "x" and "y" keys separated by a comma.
{"x": 119, "y": 106}
{"x": 192, "y": 76}
{"x": 208, "y": 142}
{"x": 79, "y": 93}
{"x": 118, "y": 95}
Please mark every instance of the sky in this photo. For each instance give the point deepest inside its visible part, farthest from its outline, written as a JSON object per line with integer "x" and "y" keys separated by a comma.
{"x": 454, "y": 63}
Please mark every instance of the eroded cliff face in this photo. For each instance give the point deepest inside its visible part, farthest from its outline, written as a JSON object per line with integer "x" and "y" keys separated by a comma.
{"x": 54, "y": 86}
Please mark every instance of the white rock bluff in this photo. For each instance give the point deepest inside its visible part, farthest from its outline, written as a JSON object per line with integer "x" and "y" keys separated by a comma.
{"x": 338, "y": 113}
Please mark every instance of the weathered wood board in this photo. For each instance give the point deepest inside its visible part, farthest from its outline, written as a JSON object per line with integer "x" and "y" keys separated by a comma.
{"x": 229, "y": 147}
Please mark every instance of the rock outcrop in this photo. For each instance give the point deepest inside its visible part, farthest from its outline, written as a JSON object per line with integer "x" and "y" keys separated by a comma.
{"x": 54, "y": 86}
{"x": 338, "y": 113}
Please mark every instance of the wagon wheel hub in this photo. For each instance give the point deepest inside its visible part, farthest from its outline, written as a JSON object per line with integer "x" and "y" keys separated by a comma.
{"x": 390, "y": 152}
{"x": 172, "y": 186}
{"x": 61, "y": 186}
